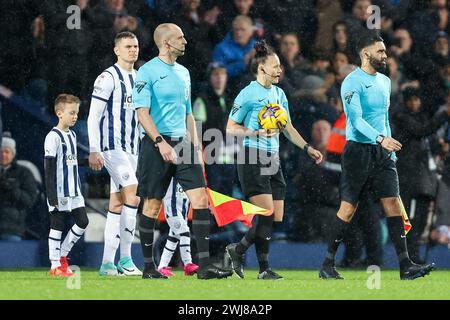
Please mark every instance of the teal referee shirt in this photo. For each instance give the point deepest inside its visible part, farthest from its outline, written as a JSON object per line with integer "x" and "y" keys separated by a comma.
{"x": 166, "y": 90}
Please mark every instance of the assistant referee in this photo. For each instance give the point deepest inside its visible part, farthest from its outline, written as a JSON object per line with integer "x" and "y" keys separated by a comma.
{"x": 369, "y": 156}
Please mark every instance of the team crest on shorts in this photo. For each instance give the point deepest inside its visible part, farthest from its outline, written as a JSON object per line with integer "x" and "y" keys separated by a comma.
{"x": 125, "y": 176}
{"x": 177, "y": 225}
{"x": 64, "y": 201}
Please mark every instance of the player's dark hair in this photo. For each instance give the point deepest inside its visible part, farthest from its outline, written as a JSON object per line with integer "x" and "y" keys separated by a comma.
{"x": 262, "y": 51}
{"x": 124, "y": 35}
{"x": 368, "y": 39}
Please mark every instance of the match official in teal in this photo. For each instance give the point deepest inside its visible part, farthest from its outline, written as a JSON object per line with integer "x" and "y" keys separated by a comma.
{"x": 262, "y": 186}
{"x": 162, "y": 98}
{"x": 369, "y": 156}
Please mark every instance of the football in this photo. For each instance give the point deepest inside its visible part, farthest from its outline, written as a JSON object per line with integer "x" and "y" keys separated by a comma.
{"x": 273, "y": 116}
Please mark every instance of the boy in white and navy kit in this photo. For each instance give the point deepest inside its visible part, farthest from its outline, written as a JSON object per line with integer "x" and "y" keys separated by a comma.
{"x": 176, "y": 211}
{"x": 63, "y": 185}
{"x": 113, "y": 143}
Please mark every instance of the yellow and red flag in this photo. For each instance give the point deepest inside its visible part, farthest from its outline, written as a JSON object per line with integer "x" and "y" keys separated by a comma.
{"x": 227, "y": 209}
{"x": 405, "y": 218}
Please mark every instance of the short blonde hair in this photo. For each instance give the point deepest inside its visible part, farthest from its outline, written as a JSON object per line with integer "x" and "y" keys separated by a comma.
{"x": 64, "y": 98}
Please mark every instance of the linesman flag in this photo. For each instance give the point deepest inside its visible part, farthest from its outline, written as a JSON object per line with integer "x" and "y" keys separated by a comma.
{"x": 227, "y": 209}
{"x": 405, "y": 218}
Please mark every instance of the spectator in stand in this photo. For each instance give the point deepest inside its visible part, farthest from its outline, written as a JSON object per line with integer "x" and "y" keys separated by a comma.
{"x": 341, "y": 38}
{"x": 236, "y": 51}
{"x": 356, "y": 22}
{"x": 294, "y": 63}
{"x": 18, "y": 191}
{"x": 414, "y": 129}
{"x": 299, "y": 16}
{"x": 211, "y": 107}
{"x": 417, "y": 66}
{"x": 199, "y": 34}
{"x": 110, "y": 17}
{"x": 428, "y": 22}
{"x": 329, "y": 13}
{"x": 17, "y": 55}
{"x": 320, "y": 65}
{"x": 68, "y": 47}
{"x": 340, "y": 60}
{"x": 317, "y": 191}
{"x": 441, "y": 49}
{"x": 233, "y": 8}
{"x": 441, "y": 232}
{"x": 397, "y": 79}
{"x": 401, "y": 47}
{"x": 310, "y": 104}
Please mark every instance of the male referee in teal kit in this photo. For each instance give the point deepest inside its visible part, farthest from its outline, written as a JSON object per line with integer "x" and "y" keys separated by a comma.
{"x": 369, "y": 156}
{"x": 162, "y": 98}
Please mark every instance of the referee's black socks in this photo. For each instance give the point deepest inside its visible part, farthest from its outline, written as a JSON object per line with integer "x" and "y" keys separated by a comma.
{"x": 249, "y": 238}
{"x": 262, "y": 240}
{"x": 397, "y": 234}
{"x": 337, "y": 235}
{"x": 146, "y": 227}
{"x": 200, "y": 227}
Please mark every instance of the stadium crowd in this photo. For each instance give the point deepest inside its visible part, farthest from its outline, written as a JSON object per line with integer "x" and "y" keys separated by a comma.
{"x": 41, "y": 55}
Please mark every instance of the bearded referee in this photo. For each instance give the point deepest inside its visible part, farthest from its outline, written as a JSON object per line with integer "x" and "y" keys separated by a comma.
{"x": 369, "y": 156}
{"x": 162, "y": 97}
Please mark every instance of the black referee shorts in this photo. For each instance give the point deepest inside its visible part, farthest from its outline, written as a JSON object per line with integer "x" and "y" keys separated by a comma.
{"x": 364, "y": 164}
{"x": 262, "y": 176}
{"x": 154, "y": 174}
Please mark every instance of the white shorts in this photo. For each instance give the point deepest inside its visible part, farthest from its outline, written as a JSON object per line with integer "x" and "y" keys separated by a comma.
{"x": 121, "y": 167}
{"x": 176, "y": 208}
{"x": 68, "y": 203}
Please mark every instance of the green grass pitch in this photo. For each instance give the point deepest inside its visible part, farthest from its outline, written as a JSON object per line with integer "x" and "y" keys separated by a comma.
{"x": 297, "y": 285}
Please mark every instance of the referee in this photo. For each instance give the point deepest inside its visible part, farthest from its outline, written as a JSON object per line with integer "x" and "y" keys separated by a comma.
{"x": 369, "y": 156}
{"x": 162, "y": 98}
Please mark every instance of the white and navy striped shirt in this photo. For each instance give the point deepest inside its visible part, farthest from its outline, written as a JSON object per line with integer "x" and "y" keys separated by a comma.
{"x": 176, "y": 201}
{"x": 118, "y": 121}
{"x": 63, "y": 146}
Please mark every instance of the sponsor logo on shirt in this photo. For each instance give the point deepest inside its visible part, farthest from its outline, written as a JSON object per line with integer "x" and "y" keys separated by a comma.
{"x": 128, "y": 102}
{"x": 71, "y": 160}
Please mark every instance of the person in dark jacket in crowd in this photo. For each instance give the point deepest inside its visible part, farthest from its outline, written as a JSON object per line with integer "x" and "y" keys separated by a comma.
{"x": 199, "y": 33}
{"x": 18, "y": 191}
{"x": 316, "y": 190}
{"x": 441, "y": 232}
{"x": 110, "y": 17}
{"x": 211, "y": 108}
{"x": 17, "y": 55}
{"x": 68, "y": 44}
{"x": 415, "y": 165}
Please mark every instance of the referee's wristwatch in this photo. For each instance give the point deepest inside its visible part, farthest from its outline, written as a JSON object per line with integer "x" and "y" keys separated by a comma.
{"x": 380, "y": 139}
{"x": 306, "y": 147}
{"x": 158, "y": 139}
